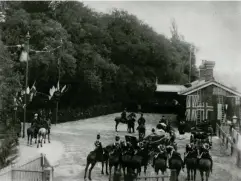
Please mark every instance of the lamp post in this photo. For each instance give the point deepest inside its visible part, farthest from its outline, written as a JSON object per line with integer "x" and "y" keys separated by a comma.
{"x": 26, "y": 45}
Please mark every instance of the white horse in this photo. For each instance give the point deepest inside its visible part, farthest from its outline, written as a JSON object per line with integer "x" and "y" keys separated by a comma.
{"x": 42, "y": 135}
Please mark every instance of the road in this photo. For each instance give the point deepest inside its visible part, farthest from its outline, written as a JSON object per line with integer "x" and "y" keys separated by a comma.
{"x": 78, "y": 139}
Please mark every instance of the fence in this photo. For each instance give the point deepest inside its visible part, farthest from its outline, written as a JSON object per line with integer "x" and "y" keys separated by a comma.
{"x": 147, "y": 177}
{"x": 230, "y": 142}
{"x": 37, "y": 169}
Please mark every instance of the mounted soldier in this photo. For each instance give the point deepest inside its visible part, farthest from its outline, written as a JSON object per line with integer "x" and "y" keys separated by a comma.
{"x": 117, "y": 144}
{"x": 124, "y": 115}
{"x": 174, "y": 155}
{"x": 98, "y": 142}
{"x": 160, "y": 154}
{"x": 163, "y": 120}
{"x": 35, "y": 120}
{"x": 205, "y": 154}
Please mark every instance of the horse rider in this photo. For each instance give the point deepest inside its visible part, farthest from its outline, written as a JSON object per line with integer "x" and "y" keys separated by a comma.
{"x": 205, "y": 154}
{"x": 141, "y": 120}
{"x": 188, "y": 150}
{"x": 173, "y": 154}
{"x": 98, "y": 142}
{"x": 163, "y": 120}
{"x": 35, "y": 120}
{"x": 123, "y": 115}
{"x": 117, "y": 144}
{"x": 160, "y": 154}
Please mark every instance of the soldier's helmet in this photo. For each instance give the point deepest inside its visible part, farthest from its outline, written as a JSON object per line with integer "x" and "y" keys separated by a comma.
{"x": 169, "y": 148}
{"x": 206, "y": 146}
{"x": 35, "y": 115}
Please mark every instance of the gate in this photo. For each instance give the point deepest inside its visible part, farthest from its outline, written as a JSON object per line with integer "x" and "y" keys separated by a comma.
{"x": 167, "y": 177}
{"x": 37, "y": 169}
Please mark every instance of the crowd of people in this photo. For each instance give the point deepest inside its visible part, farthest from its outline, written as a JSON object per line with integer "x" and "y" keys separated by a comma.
{"x": 163, "y": 150}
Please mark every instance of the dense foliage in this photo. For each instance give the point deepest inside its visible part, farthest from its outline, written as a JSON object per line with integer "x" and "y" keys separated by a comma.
{"x": 105, "y": 58}
{"x": 9, "y": 85}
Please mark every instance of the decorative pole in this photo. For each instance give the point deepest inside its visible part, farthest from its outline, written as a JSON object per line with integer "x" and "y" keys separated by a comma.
{"x": 26, "y": 45}
{"x": 58, "y": 93}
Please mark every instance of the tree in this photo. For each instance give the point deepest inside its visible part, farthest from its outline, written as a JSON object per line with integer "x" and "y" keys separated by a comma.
{"x": 106, "y": 58}
{"x": 9, "y": 86}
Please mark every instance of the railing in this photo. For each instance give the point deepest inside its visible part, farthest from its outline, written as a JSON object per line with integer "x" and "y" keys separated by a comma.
{"x": 230, "y": 142}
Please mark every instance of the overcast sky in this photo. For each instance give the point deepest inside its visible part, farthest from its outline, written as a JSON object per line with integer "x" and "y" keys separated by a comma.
{"x": 214, "y": 27}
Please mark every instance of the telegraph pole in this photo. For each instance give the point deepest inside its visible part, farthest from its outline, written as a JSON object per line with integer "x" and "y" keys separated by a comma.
{"x": 26, "y": 45}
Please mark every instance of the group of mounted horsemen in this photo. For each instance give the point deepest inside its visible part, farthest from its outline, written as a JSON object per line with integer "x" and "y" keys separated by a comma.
{"x": 40, "y": 128}
{"x": 159, "y": 148}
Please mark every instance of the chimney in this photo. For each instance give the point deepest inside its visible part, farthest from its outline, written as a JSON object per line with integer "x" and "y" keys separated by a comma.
{"x": 206, "y": 70}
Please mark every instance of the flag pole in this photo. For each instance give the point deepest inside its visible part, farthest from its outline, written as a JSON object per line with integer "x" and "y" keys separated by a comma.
{"x": 190, "y": 61}
{"x": 58, "y": 84}
{"x": 26, "y": 83}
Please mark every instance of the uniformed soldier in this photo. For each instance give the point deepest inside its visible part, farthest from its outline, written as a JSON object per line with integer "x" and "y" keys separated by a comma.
{"x": 124, "y": 114}
{"x": 35, "y": 119}
{"x": 174, "y": 154}
{"x": 98, "y": 142}
{"x": 141, "y": 120}
{"x": 205, "y": 154}
{"x": 117, "y": 144}
{"x": 160, "y": 154}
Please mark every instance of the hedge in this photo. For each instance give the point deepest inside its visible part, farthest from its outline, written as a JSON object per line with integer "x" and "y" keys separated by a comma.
{"x": 94, "y": 111}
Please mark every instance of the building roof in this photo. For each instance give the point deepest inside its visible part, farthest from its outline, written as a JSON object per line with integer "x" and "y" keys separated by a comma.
{"x": 202, "y": 84}
{"x": 169, "y": 88}
{"x": 196, "y": 85}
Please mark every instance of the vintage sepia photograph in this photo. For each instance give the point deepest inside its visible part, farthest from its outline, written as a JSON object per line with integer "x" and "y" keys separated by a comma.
{"x": 120, "y": 90}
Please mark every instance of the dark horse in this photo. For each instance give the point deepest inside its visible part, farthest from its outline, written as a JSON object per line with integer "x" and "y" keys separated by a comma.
{"x": 160, "y": 164}
{"x": 204, "y": 166}
{"x": 175, "y": 162}
{"x": 98, "y": 155}
{"x": 142, "y": 131}
{"x": 31, "y": 134}
{"x": 114, "y": 160}
{"x": 191, "y": 163}
{"x": 121, "y": 120}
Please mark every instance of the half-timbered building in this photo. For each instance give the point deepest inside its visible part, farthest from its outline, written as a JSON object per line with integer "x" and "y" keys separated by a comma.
{"x": 208, "y": 99}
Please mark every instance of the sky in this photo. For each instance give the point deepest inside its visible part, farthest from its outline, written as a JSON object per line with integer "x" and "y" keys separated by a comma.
{"x": 214, "y": 27}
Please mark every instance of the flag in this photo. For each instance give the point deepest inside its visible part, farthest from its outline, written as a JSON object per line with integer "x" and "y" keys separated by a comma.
{"x": 62, "y": 90}
{"x": 191, "y": 107}
{"x": 58, "y": 86}
{"x": 24, "y": 57}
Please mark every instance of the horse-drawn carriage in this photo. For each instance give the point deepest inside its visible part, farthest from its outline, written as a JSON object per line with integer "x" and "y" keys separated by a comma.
{"x": 201, "y": 134}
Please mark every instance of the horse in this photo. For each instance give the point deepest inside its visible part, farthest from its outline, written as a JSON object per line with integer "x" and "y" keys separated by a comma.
{"x": 175, "y": 163}
{"x": 98, "y": 155}
{"x": 191, "y": 164}
{"x": 121, "y": 120}
{"x": 31, "y": 134}
{"x": 42, "y": 135}
{"x": 204, "y": 166}
{"x": 114, "y": 160}
{"x": 131, "y": 123}
{"x": 160, "y": 164}
{"x": 142, "y": 131}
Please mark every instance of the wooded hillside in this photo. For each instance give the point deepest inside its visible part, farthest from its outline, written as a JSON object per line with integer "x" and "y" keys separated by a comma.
{"x": 105, "y": 59}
